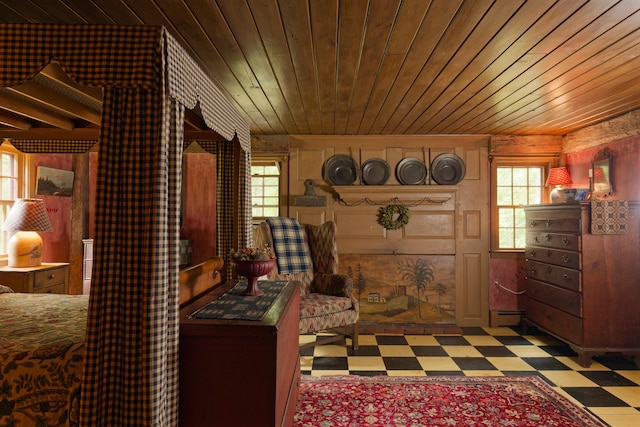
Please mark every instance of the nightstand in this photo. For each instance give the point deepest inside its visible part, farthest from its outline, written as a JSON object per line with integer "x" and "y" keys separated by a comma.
{"x": 47, "y": 278}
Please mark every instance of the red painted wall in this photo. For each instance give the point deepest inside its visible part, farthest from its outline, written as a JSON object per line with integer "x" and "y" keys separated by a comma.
{"x": 625, "y": 155}
{"x": 506, "y": 283}
{"x": 625, "y": 158}
{"x": 199, "y": 205}
{"x": 57, "y": 243}
{"x": 199, "y": 198}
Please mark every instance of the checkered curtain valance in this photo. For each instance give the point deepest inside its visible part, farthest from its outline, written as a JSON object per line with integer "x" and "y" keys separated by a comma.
{"x": 144, "y": 57}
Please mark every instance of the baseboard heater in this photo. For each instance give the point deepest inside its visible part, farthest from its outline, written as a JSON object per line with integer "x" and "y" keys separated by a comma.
{"x": 505, "y": 317}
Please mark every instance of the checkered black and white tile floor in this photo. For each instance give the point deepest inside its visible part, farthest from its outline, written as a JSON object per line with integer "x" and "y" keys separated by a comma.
{"x": 609, "y": 388}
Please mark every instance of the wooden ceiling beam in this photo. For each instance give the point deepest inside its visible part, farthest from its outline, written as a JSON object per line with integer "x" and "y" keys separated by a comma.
{"x": 55, "y": 73}
{"x": 193, "y": 120}
{"x": 14, "y": 121}
{"x": 19, "y": 105}
{"x": 57, "y": 101}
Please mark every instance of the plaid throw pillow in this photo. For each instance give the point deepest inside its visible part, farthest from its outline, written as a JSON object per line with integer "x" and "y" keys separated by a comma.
{"x": 292, "y": 253}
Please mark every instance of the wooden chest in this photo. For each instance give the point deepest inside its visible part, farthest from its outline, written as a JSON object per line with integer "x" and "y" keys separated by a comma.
{"x": 583, "y": 288}
{"x": 240, "y": 372}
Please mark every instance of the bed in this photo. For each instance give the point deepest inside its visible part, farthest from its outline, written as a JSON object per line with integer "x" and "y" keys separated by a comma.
{"x": 41, "y": 354}
{"x": 42, "y": 349}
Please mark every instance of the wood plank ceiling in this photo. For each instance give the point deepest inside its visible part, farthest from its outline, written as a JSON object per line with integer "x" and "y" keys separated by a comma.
{"x": 371, "y": 66}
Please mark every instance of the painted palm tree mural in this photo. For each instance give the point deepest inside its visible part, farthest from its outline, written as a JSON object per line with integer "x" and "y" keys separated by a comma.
{"x": 403, "y": 288}
{"x": 419, "y": 273}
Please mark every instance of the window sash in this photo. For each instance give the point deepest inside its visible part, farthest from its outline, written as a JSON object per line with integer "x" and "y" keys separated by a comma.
{"x": 265, "y": 189}
{"x": 513, "y": 185}
{"x": 14, "y": 182}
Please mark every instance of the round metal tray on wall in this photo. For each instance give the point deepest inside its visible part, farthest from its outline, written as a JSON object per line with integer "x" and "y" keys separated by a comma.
{"x": 375, "y": 172}
{"x": 448, "y": 169}
{"x": 341, "y": 169}
{"x": 411, "y": 171}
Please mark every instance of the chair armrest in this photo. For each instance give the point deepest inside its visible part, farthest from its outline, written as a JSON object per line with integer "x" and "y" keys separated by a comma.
{"x": 338, "y": 285}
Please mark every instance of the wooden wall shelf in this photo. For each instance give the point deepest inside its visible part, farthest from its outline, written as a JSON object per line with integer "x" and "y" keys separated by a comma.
{"x": 408, "y": 194}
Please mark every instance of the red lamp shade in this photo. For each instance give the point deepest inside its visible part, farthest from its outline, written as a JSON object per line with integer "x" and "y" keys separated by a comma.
{"x": 558, "y": 176}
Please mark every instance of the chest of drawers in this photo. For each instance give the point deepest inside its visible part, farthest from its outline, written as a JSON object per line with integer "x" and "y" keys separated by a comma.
{"x": 583, "y": 288}
{"x": 47, "y": 278}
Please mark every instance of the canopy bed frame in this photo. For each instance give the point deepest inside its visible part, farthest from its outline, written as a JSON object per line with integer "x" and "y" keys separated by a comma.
{"x": 148, "y": 81}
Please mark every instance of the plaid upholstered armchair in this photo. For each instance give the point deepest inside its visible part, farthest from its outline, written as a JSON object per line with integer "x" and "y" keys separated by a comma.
{"x": 326, "y": 298}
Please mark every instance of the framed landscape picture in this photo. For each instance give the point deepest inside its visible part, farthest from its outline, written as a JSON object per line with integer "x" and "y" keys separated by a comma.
{"x": 54, "y": 182}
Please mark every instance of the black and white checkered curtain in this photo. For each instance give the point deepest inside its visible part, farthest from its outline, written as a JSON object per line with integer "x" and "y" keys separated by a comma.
{"x": 131, "y": 363}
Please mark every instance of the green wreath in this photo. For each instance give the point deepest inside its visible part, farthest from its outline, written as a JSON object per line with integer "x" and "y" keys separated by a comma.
{"x": 388, "y": 213}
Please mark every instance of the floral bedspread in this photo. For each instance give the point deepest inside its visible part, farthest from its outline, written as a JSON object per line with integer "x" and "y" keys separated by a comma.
{"x": 41, "y": 358}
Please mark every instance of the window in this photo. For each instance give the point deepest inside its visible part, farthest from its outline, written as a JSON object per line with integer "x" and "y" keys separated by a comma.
{"x": 265, "y": 189}
{"x": 12, "y": 184}
{"x": 515, "y": 182}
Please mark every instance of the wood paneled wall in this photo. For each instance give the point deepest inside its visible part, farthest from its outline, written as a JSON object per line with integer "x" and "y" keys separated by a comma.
{"x": 458, "y": 226}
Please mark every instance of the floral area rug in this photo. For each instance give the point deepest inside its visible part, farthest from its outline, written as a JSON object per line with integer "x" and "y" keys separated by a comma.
{"x": 435, "y": 401}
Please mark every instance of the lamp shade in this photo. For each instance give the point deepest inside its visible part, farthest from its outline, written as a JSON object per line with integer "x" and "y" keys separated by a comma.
{"x": 558, "y": 176}
{"x": 27, "y": 215}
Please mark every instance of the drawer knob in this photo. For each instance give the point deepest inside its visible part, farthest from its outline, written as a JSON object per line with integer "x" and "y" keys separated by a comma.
{"x": 565, "y": 277}
{"x": 565, "y": 241}
{"x": 52, "y": 276}
{"x": 532, "y": 253}
{"x": 548, "y": 237}
{"x": 533, "y": 270}
{"x": 549, "y": 252}
{"x": 565, "y": 258}
{"x": 533, "y": 223}
{"x": 548, "y": 223}
{"x": 549, "y": 269}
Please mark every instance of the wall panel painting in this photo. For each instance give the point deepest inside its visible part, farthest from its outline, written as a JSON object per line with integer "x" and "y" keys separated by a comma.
{"x": 412, "y": 289}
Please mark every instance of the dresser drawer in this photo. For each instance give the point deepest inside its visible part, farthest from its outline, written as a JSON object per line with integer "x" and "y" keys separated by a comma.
{"x": 554, "y": 240}
{"x": 557, "y": 297}
{"x": 564, "y": 277}
{"x": 555, "y": 321}
{"x": 559, "y": 257}
{"x": 567, "y": 225}
{"x": 57, "y": 289}
{"x": 49, "y": 278}
{"x": 46, "y": 278}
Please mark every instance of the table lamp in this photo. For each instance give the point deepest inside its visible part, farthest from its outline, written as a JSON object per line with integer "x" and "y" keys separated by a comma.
{"x": 26, "y": 218}
{"x": 558, "y": 177}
